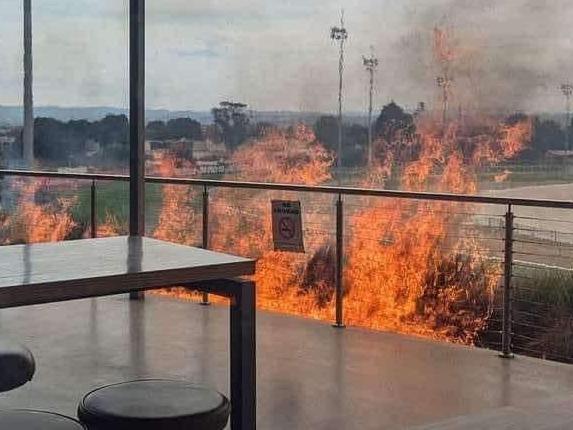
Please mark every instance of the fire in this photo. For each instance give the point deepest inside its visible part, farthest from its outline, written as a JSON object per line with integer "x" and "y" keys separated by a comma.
{"x": 443, "y": 47}
{"x": 111, "y": 227}
{"x": 176, "y": 219}
{"x": 501, "y": 142}
{"x": 282, "y": 156}
{"x": 503, "y": 176}
{"x": 35, "y": 222}
{"x": 409, "y": 266}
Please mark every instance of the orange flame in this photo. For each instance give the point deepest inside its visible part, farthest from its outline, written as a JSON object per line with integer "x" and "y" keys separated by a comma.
{"x": 34, "y": 222}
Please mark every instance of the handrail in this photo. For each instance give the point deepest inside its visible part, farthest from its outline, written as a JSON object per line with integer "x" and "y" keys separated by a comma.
{"x": 351, "y": 191}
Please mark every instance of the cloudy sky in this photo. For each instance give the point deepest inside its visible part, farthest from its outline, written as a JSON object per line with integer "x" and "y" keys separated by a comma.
{"x": 276, "y": 55}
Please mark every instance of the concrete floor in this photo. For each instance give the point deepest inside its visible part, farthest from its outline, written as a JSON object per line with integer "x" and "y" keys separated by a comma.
{"x": 310, "y": 376}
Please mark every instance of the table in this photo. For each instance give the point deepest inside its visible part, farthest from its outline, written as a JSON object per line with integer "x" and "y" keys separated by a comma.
{"x": 54, "y": 272}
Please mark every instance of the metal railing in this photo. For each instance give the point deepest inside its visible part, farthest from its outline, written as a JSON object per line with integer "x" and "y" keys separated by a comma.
{"x": 339, "y": 193}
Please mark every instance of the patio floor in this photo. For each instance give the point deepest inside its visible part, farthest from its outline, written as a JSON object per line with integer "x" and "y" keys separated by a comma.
{"x": 310, "y": 376}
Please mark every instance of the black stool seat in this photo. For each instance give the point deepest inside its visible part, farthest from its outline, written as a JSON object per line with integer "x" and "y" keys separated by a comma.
{"x": 17, "y": 365}
{"x": 36, "y": 420}
{"x": 154, "y": 404}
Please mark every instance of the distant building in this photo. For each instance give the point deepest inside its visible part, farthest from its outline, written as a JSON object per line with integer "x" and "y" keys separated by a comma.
{"x": 196, "y": 150}
{"x": 93, "y": 148}
{"x": 559, "y": 154}
{"x": 208, "y": 150}
{"x": 7, "y": 142}
{"x": 79, "y": 169}
{"x": 168, "y": 144}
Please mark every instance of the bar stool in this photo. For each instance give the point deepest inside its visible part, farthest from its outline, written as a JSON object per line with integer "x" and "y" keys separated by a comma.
{"x": 17, "y": 367}
{"x": 36, "y": 420}
{"x": 156, "y": 404}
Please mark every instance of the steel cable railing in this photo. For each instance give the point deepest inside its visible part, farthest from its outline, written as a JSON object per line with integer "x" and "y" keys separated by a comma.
{"x": 521, "y": 250}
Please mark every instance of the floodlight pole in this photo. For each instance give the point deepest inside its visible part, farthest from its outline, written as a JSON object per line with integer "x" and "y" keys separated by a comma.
{"x": 370, "y": 63}
{"x": 340, "y": 35}
{"x": 567, "y": 90}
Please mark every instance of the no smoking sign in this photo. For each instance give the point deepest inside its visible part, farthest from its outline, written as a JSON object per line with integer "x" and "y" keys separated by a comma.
{"x": 287, "y": 226}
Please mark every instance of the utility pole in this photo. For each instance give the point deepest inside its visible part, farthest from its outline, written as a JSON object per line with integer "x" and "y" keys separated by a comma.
{"x": 370, "y": 63}
{"x": 567, "y": 90}
{"x": 28, "y": 130}
{"x": 340, "y": 35}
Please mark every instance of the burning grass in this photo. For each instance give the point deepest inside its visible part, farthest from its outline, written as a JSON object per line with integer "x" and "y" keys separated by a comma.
{"x": 409, "y": 266}
{"x": 35, "y": 222}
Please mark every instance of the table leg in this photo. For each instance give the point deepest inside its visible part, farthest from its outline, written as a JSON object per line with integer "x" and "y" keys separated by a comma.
{"x": 243, "y": 358}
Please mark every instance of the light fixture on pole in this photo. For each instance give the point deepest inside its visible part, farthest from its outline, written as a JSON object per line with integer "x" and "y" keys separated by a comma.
{"x": 370, "y": 63}
{"x": 567, "y": 90}
{"x": 340, "y": 35}
{"x": 444, "y": 83}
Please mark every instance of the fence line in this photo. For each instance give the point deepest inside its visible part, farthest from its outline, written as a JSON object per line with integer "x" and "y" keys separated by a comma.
{"x": 505, "y": 222}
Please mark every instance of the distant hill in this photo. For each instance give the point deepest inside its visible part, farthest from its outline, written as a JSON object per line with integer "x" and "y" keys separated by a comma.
{"x": 12, "y": 115}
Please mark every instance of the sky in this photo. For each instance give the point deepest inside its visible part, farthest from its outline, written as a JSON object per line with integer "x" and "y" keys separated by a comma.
{"x": 277, "y": 55}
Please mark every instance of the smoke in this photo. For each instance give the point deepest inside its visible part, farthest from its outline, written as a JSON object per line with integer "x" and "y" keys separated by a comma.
{"x": 509, "y": 55}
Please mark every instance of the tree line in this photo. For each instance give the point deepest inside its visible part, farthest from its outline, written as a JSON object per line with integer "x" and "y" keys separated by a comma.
{"x": 60, "y": 142}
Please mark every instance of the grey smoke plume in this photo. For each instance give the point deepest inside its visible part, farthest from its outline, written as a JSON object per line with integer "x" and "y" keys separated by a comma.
{"x": 510, "y": 55}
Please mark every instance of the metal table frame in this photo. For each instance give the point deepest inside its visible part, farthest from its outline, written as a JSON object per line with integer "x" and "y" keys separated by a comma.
{"x": 48, "y": 273}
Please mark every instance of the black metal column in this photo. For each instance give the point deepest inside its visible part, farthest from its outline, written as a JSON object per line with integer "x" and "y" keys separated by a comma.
{"x": 93, "y": 210}
{"x": 137, "y": 117}
{"x": 243, "y": 357}
{"x": 205, "y": 244}
{"x": 507, "y": 287}
{"x": 136, "y": 122}
{"x": 339, "y": 293}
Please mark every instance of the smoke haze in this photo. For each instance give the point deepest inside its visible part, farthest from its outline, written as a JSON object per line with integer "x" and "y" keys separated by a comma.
{"x": 509, "y": 55}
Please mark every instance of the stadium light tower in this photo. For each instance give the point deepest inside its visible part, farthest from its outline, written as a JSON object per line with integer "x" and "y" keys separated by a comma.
{"x": 339, "y": 34}
{"x": 567, "y": 90}
{"x": 370, "y": 63}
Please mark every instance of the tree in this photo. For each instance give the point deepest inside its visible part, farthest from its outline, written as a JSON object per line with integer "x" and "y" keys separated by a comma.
{"x": 156, "y": 130}
{"x": 355, "y": 139}
{"x": 52, "y": 141}
{"x": 392, "y": 122}
{"x": 111, "y": 130}
{"x": 232, "y": 123}
{"x": 184, "y": 128}
{"x": 65, "y": 142}
{"x": 326, "y": 131}
{"x": 177, "y": 128}
{"x": 547, "y": 135}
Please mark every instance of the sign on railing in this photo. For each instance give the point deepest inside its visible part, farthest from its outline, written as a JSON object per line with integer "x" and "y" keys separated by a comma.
{"x": 287, "y": 226}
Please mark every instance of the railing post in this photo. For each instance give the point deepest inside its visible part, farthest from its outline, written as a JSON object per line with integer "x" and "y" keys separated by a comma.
{"x": 205, "y": 229}
{"x": 507, "y": 286}
{"x": 93, "y": 211}
{"x": 339, "y": 262}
